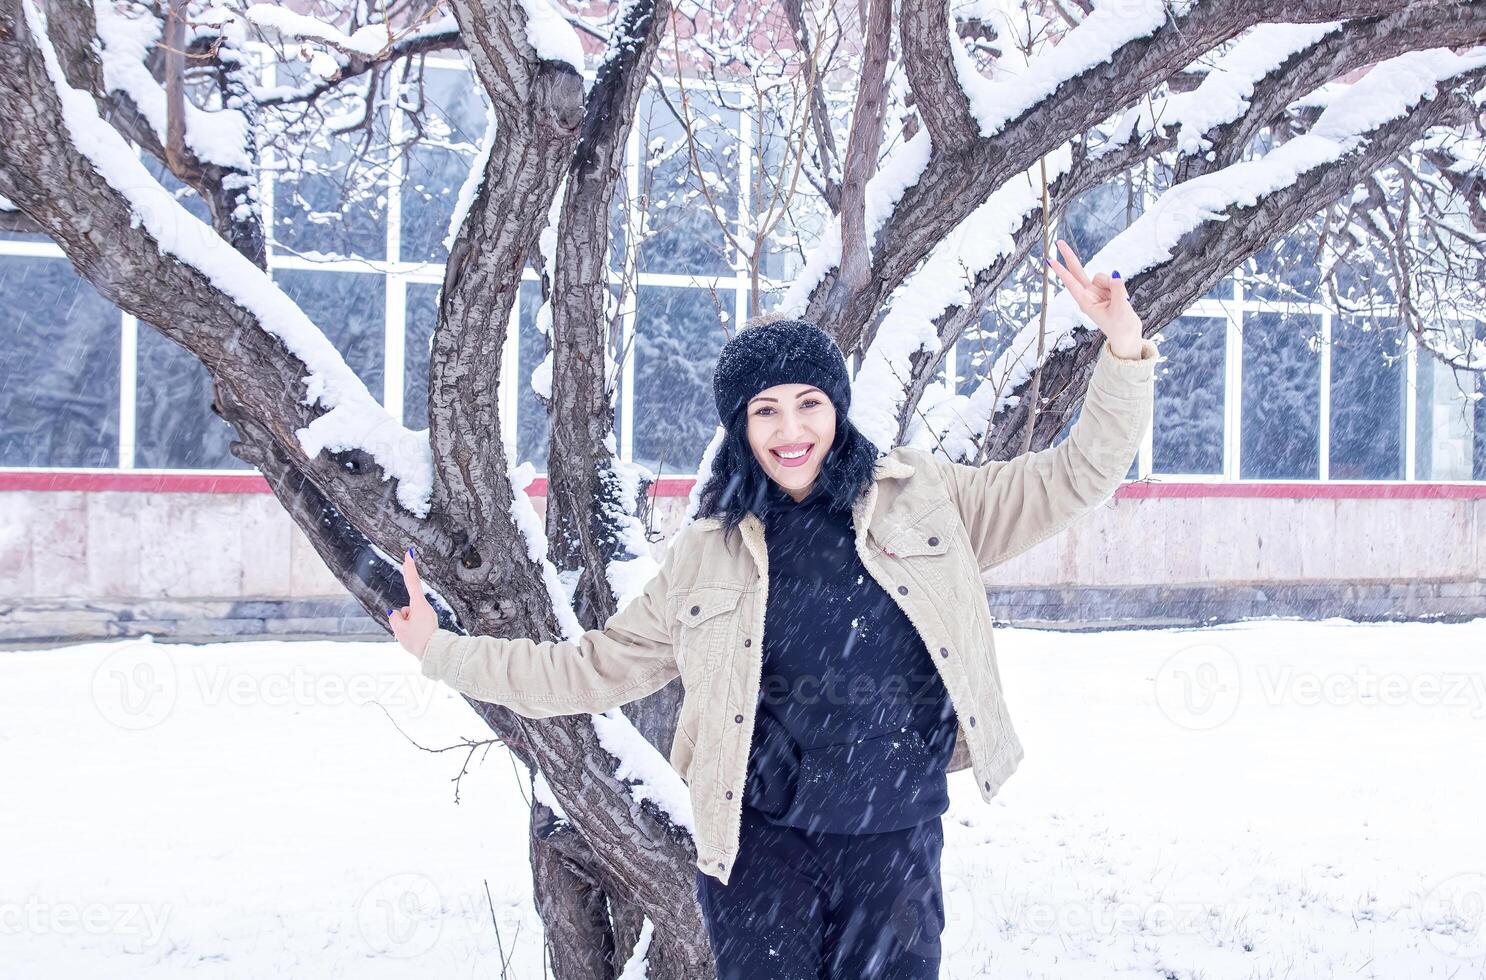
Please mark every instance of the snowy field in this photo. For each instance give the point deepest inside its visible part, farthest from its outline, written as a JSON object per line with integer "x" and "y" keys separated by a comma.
{"x": 1266, "y": 800}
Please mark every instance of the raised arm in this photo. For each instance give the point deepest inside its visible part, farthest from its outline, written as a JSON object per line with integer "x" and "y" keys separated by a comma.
{"x": 629, "y": 658}
{"x": 1009, "y": 506}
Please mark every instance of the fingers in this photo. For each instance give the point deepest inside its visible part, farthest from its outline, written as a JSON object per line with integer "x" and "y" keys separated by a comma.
{"x": 1069, "y": 282}
{"x": 410, "y": 577}
{"x": 1111, "y": 288}
{"x": 1074, "y": 265}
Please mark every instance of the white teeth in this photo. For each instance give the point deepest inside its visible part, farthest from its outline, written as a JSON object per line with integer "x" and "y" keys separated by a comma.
{"x": 795, "y": 455}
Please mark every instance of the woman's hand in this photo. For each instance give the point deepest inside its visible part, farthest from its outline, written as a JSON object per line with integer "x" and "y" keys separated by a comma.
{"x": 414, "y": 623}
{"x": 1104, "y": 301}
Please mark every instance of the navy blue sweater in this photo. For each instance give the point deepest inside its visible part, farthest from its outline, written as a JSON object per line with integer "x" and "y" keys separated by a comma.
{"x": 854, "y": 726}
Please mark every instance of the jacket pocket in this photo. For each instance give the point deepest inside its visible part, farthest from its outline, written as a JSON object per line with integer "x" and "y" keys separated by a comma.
{"x": 837, "y": 782}
{"x": 704, "y": 617}
{"x": 927, "y": 534}
{"x": 773, "y": 766}
{"x": 683, "y": 748}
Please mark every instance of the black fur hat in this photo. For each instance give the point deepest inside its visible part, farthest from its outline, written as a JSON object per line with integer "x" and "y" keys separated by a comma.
{"x": 778, "y": 352}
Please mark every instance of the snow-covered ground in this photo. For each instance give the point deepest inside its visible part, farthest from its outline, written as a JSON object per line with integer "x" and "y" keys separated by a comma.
{"x": 1267, "y": 800}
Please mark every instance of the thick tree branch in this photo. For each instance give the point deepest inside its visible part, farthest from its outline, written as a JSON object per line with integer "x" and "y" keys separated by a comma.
{"x": 582, "y": 506}
{"x": 925, "y": 35}
{"x": 863, "y": 144}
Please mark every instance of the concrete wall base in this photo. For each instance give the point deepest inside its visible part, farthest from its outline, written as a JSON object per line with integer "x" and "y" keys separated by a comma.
{"x": 71, "y": 621}
{"x": 193, "y": 620}
{"x": 1196, "y": 605}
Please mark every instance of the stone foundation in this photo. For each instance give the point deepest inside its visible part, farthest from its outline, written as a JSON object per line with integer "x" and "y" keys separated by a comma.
{"x": 63, "y": 621}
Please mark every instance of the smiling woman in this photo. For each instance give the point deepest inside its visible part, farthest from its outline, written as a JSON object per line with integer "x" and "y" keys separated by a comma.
{"x": 782, "y": 394}
{"x": 840, "y": 663}
{"x": 791, "y": 428}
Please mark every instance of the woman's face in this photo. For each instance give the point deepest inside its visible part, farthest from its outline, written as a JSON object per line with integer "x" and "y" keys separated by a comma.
{"x": 786, "y": 419}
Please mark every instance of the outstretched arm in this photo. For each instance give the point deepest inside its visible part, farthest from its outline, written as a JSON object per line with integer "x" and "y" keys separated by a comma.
{"x": 629, "y": 658}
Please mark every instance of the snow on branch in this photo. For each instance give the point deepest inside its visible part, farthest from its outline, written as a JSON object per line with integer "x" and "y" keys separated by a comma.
{"x": 366, "y": 42}
{"x": 550, "y": 34}
{"x": 993, "y": 103}
{"x": 941, "y": 283}
{"x": 884, "y": 190}
{"x": 1107, "y": 29}
{"x": 1223, "y": 95}
{"x": 354, "y": 419}
{"x": 644, "y": 771}
{"x": 1385, "y": 94}
{"x": 470, "y": 187}
{"x": 127, "y": 33}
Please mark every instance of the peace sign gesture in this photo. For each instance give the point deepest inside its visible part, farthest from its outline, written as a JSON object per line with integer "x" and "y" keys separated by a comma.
{"x": 414, "y": 623}
{"x": 1103, "y": 300}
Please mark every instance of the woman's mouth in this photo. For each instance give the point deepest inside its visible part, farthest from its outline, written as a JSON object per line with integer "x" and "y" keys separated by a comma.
{"x": 803, "y": 450}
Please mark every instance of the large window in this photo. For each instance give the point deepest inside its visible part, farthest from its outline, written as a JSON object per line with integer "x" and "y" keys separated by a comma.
{"x": 676, "y": 344}
{"x": 452, "y": 115}
{"x": 348, "y": 307}
{"x": 687, "y": 222}
{"x": 1281, "y": 396}
{"x": 533, "y": 429}
{"x": 60, "y": 340}
{"x": 1187, "y": 423}
{"x": 1368, "y": 402}
{"x": 1450, "y": 421}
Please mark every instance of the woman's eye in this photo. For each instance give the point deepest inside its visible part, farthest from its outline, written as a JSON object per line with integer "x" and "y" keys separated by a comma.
{"x": 806, "y": 402}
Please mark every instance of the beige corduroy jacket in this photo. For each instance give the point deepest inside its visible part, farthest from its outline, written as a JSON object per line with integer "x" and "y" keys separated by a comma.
{"x": 926, "y": 529}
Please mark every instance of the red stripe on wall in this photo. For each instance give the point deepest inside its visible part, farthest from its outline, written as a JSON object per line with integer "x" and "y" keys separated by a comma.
{"x": 1358, "y": 490}
{"x": 152, "y": 482}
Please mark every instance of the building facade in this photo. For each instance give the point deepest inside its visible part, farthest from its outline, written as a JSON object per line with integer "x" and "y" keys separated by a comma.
{"x": 1302, "y": 461}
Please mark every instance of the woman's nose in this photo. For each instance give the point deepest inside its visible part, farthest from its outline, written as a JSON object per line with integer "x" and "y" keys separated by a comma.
{"x": 793, "y": 430}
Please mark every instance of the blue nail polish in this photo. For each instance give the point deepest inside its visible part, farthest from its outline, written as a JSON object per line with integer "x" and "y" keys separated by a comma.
{"x": 410, "y": 552}
{"x": 1114, "y": 275}
{"x": 389, "y": 612}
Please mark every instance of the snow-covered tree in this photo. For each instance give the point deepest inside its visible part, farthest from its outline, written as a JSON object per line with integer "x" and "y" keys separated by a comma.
{"x": 916, "y": 156}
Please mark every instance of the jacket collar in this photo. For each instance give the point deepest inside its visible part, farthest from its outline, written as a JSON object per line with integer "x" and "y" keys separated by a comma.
{"x": 889, "y": 467}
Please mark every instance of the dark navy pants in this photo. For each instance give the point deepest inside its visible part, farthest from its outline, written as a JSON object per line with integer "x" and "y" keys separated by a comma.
{"x": 808, "y": 905}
